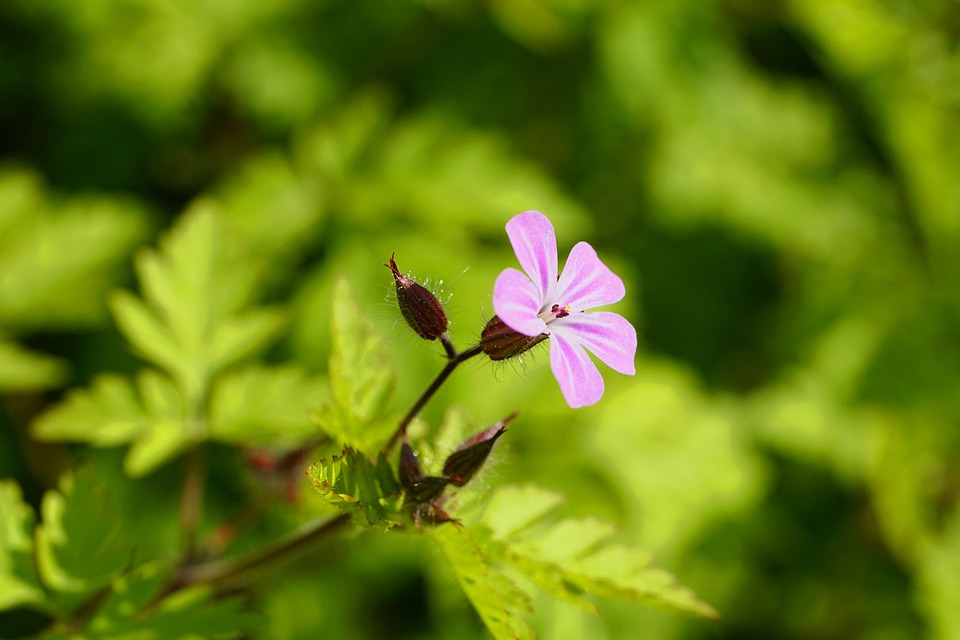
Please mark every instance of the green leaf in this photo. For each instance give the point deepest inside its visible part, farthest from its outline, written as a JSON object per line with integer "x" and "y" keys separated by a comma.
{"x": 18, "y": 583}
{"x": 191, "y": 613}
{"x": 354, "y": 485}
{"x": 265, "y": 406}
{"x": 21, "y": 369}
{"x": 57, "y": 258}
{"x": 568, "y": 559}
{"x": 110, "y": 413}
{"x": 80, "y": 545}
{"x": 191, "y": 321}
{"x": 360, "y": 378}
{"x": 495, "y": 597}
{"x": 510, "y": 510}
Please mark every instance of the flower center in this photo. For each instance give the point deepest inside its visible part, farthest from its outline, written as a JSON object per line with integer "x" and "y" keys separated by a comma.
{"x": 556, "y": 311}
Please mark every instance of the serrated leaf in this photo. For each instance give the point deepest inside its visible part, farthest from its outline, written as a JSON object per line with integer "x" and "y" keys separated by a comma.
{"x": 21, "y": 369}
{"x": 191, "y": 321}
{"x": 360, "y": 378}
{"x": 18, "y": 583}
{"x": 188, "y": 614}
{"x": 110, "y": 413}
{"x": 568, "y": 559}
{"x": 495, "y": 597}
{"x": 80, "y": 545}
{"x": 265, "y": 406}
{"x": 351, "y": 483}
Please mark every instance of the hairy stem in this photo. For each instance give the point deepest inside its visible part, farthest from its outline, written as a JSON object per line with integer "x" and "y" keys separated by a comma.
{"x": 452, "y": 364}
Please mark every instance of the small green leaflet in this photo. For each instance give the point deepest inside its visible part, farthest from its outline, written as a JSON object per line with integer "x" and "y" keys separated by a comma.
{"x": 192, "y": 321}
{"x": 360, "y": 379}
{"x": 80, "y": 543}
{"x": 571, "y": 558}
{"x": 112, "y": 412}
{"x": 18, "y": 584}
{"x": 354, "y": 485}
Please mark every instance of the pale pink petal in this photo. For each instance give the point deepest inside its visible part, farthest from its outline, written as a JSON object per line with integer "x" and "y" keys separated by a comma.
{"x": 587, "y": 282}
{"x": 579, "y": 379}
{"x": 517, "y": 301}
{"x": 606, "y": 335}
{"x": 535, "y": 244}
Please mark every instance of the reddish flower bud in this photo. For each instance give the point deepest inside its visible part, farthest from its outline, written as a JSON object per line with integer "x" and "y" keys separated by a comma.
{"x": 464, "y": 463}
{"x": 501, "y": 342}
{"x": 420, "y": 308}
{"x": 409, "y": 467}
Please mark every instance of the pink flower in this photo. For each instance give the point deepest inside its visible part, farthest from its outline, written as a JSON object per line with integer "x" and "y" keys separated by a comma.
{"x": 542, "y": 302}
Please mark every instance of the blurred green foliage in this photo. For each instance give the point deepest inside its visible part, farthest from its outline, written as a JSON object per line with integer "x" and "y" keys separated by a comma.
{"x": 775, "y": 181}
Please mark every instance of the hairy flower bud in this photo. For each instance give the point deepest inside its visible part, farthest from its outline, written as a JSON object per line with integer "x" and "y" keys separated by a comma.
{"x": 420, "y": 308}
{"x": 464, "y": 463}
{"x": 501, "y": 342}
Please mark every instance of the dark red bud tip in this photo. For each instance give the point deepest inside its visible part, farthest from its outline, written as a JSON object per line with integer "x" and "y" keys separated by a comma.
{"x": 464, "y": 463}
{"x": 420, "y": 308}
{"x": 500, "y": 342}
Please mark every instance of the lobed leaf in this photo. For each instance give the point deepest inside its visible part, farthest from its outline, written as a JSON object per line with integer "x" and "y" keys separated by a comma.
{"x": 368, "y": 492}
{"x": 111, "y": 413}
{"x": 569, "y": 559}
{"x": 191, "y": 321}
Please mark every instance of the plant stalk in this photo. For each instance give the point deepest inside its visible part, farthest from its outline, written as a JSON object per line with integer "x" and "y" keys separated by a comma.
{"x": 452, "y": 364}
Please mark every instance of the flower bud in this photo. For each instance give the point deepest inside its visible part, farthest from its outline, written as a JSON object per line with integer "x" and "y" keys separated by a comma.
{"x": 501, "y": 342}
{"x": 419, "y": 489}
{"x": 464, "y": 463}
{"x": 409, "y": 467}
{"x": 420, "y": 308}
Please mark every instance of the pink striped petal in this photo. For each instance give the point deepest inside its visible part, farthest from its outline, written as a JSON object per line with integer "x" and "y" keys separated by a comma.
{"x": 579, "y": 379}
{"x": 517, "y": 301}
{"x": 535, "y": 244}
{"x": 606, "y": 335}
{"x": 587, "y": 282}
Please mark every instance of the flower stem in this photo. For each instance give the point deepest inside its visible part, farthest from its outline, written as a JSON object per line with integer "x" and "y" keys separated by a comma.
{"x": 452, "y": 363}
{"x": 191, "y": 501}
{"x": 224, "y": 573}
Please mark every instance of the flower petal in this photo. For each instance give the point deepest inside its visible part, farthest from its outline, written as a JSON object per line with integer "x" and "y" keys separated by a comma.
{"x": 517, "y": 301}
{"x": 535, "y": 244}
{"x": 587, "y": 282}
{"x": 579, "y": 379}
{"x": 609, "y": 336}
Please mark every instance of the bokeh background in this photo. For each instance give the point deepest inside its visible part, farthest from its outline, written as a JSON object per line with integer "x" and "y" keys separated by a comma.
{"x": 776, "y": 181}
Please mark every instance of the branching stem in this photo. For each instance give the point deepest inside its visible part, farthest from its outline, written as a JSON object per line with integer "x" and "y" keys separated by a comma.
{"x": 452, "y": 363}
